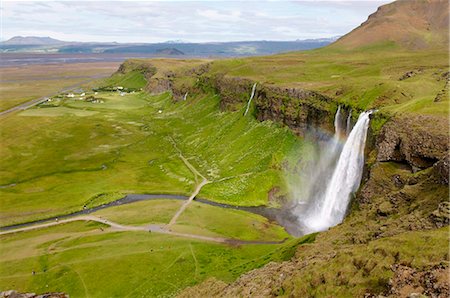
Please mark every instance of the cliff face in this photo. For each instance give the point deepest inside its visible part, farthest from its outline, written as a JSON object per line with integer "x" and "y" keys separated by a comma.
{"x": 394, "y": 239}
{"x": 299, "y": 109}
{"x": 141, "y": 66}
{"x": 393, "y": 243}
{"x": 419, "y": 141}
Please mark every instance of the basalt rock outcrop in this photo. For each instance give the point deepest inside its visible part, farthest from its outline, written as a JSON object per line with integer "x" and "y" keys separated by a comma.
{"x": 158, "y": 85}
{"x": 420, "y": 141}
{"x": 299, "y": 109}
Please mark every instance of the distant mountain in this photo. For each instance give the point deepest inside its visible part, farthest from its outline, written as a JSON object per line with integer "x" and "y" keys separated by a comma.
{"x": 414, "y": 24}
{"x": 169, "y": 51}
{"x": 211, "y": 49}
{"x": 175, "y": 41}
{"x": 32, "y": 40}
{"x": 326, "y": 39}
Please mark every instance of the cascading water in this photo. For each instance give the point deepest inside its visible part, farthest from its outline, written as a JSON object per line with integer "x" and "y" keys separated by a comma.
{"x": 250, "y": 100}
{"x": 349, "y": 122}
{"x": 327, "y": 208}
{"x": 328, "y": 156}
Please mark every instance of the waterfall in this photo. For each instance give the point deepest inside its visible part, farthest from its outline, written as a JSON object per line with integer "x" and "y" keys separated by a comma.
{"x": 185, "y": 96}
{"x": 330, "y": 207}
{"x": 337, "y": 122}
{"x": 308, "y": 187}
{"x": 349, "y": 122}
{"x": 250, "y": 100}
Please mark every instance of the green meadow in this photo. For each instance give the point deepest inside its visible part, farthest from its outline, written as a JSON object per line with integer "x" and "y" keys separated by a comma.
{"x": 84, "y": 259}
{"x": 366, "y": 78}
{"x": 70, "y": 153}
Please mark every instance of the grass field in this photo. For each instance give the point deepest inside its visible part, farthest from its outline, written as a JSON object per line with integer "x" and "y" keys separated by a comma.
{"x": 25, "y": 83}
{"x": 142, "y": 213}
{"x": 85, "y": 261}
{"x": 95, "y": 152}
{"x": 366, "y": 78}
{"x": 216, "y": 221}
{"x": 69, "y": 153}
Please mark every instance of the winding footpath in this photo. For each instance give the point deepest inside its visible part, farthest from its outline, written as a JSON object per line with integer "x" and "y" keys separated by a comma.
{"x": 155, "y": 228}
{"x": 197, "y": 189}
{"x": 161, "y": 229}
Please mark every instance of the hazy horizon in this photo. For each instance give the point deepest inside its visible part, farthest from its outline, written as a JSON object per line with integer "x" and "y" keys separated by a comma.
{"x": 188, "y": 21}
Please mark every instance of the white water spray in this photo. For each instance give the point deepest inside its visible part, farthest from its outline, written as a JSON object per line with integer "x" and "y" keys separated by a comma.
{"x": 250, "y": 100}
{"x": 328, "y": 208}
{"x": 185, "y": 96}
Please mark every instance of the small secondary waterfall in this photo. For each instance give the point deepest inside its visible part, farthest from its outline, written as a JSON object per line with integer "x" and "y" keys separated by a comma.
{"x": 328, "y": 206}
{"x": 349, "y": 122}
{"x": 250, "y": 100}
{"x": 185, "y": 96}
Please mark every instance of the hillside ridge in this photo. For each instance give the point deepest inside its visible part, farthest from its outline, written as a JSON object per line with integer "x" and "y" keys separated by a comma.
{"x": 413, "y": 24}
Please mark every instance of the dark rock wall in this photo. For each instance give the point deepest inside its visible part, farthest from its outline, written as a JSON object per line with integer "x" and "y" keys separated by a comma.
{"x": 419, "y": 141}
{"x": 299, "y": 109}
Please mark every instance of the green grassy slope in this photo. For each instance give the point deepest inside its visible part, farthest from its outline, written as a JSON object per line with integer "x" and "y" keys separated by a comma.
{"x": 365, "y": 78}
{"x": 68, "y": 153}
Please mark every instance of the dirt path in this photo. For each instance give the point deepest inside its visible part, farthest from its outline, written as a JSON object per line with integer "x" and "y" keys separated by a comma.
{"x": 186, "y": 203}
{"x": 197, "y": 189}
{"x": 161, "y": 229}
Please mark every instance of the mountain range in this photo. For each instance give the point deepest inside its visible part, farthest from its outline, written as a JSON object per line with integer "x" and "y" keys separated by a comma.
{"x": 35, "y": 44}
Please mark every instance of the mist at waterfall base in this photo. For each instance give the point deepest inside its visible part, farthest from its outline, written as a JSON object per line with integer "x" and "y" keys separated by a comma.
{"x": 327, "y": 175}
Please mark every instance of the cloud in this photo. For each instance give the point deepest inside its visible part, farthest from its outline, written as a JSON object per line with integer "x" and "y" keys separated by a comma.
{"x": 198, "y": 21}
{"x": 217, "y": 16}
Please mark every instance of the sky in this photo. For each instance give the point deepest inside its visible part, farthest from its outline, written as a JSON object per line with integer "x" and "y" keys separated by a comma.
{"x": 188, "y": 21}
